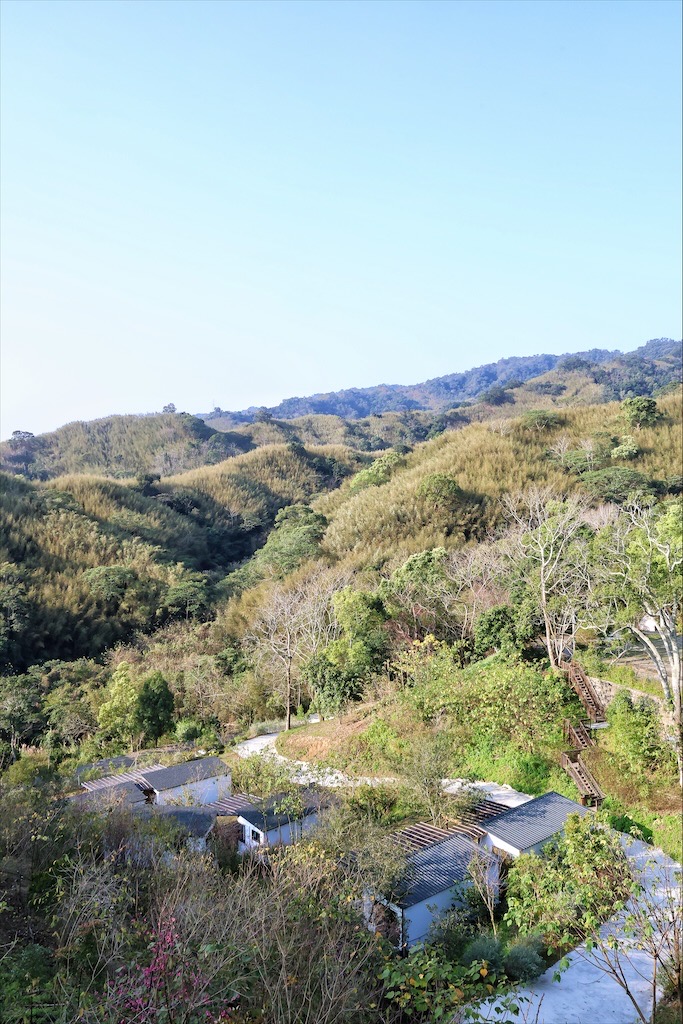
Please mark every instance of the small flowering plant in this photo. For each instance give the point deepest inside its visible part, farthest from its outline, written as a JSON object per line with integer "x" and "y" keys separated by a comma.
{"x": 167, "y": 986}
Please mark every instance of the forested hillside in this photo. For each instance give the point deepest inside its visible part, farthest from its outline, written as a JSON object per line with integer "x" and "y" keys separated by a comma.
{"x": 86, "y": 560}
{"x": 651, "y": 366}
{"x": 170, "y": 443}
{"x": 120, "y": 446}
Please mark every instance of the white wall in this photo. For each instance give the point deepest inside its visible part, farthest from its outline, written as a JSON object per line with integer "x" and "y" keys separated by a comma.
{"x": 417, "y": 920}
{"x": 490, "y": 840}
{"x": 288, "y": 833}
{"x": 205, "y": 791}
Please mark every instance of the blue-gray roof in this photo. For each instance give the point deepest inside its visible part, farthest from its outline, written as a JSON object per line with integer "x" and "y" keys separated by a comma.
{"x": 194, "y": 821}
{"x": 437, "y": 868}
{"x": 279, "y": 810}
{"x": 107, "y": 764}
{"x": 125, "y": 793}
{"x": 178, "y": 775}
{"x": 534, "y": 822}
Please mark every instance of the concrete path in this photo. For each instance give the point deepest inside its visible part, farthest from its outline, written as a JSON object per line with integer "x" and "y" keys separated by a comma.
{"x": 585, "y": 995}
{"x": 302, "y": 771}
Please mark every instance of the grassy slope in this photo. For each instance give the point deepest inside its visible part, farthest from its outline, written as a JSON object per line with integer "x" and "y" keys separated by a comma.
{"x": 206, "y": 521}
{"x": 391, "y": 521}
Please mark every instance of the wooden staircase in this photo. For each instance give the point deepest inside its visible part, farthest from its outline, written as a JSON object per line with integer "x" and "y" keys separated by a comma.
{"x": 579, "y": 736}
{"x": 591, "y": 794}
{"x": 583, "y": 688}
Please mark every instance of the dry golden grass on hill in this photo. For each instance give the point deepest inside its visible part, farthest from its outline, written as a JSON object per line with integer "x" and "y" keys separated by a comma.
{"x": 486, "y": 460}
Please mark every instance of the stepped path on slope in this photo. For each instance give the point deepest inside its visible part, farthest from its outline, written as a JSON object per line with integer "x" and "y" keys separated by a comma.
{"x": 580, "y": 735}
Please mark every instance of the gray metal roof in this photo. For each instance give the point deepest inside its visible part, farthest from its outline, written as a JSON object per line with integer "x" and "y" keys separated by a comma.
{"x": 275, "y": 811}
{"x": 534, "y": 822}
{"x": 230, "y": 806}
{"x": 133, "y": 775}
{"x": 194, "y": 821}
{"x": 437, "y": 868}
{"x": 125, "y": 793}
{"x": 178, "y": 775}
{"x": 107, "y": 764}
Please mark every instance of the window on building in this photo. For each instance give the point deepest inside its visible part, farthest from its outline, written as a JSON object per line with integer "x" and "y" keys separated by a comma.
{"x": 255, "y": 836}
{"x": 242, "y": 835}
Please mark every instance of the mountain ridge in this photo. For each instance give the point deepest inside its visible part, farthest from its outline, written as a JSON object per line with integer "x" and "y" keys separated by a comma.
{"x": 437, "y": 393}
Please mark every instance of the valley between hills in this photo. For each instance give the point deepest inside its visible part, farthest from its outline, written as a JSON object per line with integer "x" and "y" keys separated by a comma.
{"x": 475, "y": 579}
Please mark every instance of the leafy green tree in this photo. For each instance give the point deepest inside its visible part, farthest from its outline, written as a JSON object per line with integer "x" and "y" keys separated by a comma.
{"x": 109, "y": 583}
{"x": 189, "y": 595}
{"x": 636, "y": 587}
{"x": 640, "y": 412}
{"x": 616, "y": 484}
{"x": 540, "y": 420}
{"x": 14, "y": 607}
{"x": 496, "y": 630}
{"x": 361, "y": 617}
{"x": 155, "y": 706}
{"x": 118, "y": 717}
{"x": 333, "y": 678}
{"x": 21, "y": 716}
{"x": 496, "y": 395}
{"x": 628, "y": 449}
{"x": 635, "y": 733}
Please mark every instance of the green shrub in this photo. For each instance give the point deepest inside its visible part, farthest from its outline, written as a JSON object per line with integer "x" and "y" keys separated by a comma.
{"x": 524, "y": 960}
{"x": 484, "y": 947}
{"x": 188, "y": 729}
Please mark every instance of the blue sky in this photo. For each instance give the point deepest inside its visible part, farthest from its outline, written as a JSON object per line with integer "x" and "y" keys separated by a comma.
{"x": 234, "y": 203}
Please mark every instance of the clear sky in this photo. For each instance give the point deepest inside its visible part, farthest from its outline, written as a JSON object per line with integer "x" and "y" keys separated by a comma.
{"x": 227, "y": 203}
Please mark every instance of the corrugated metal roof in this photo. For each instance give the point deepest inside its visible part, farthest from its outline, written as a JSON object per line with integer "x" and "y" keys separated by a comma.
{"x": 419, "y": 836}
{"x": 178, "y": 775}
{"x": 134, "y": 775}
{"x": 534, "y": 822}
{"x": 126, "y": 793}
{"x": 107, "y": 764}
{"x": 230, "y": 805}
{"x": 437, "y": 868}
{"x": 194, "y": 821}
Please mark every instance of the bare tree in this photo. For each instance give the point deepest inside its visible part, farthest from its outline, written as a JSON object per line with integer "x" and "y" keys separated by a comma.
{"x": 294, "y": 621}
{"x": 636, "y": 589}
{"x": 485, "y": 883}
{"x": 546, "y": 539}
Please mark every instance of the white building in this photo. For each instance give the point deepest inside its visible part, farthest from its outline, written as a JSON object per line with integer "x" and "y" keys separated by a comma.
{"x": 203, "y": 781}
{"x": 278, "y": 822}
{"x": 436, "y": 879}
{"x": 527, "y": 828}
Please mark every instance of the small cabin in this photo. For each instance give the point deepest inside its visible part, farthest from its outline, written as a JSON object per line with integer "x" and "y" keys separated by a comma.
{"x": 204, "y": 781}
{"x": 527, "y": 828}
{"x": 435, "y": 881}
{"x": 275, "y": 822}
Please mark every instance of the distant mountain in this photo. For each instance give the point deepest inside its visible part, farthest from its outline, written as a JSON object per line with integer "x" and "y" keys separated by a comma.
{"x": 361, "y": 419}
{"x": 448, "y": 392}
